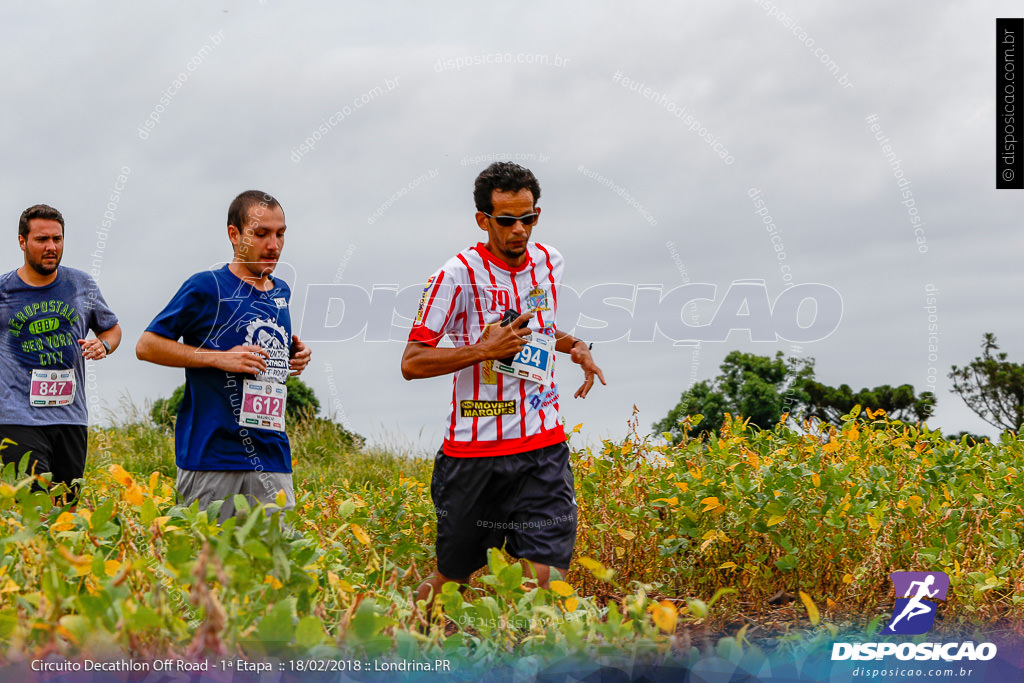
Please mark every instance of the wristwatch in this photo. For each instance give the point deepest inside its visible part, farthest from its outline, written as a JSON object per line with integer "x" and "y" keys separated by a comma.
{"x": 106, "y": 346}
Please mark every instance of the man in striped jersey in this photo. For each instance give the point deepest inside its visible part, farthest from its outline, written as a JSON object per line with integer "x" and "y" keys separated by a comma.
{"x": 502, "y": 476}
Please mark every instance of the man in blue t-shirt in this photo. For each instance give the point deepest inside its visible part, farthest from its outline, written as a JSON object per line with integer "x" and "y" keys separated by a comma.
{"x": 46, "y": 312}
{"x": 237, "y": 349}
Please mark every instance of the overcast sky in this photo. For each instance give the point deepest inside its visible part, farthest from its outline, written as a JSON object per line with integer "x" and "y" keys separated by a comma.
{"x": 369, "y": 122}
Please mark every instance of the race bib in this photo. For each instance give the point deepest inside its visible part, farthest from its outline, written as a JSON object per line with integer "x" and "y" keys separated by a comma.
{"x": 52, "y": 388}
{"x": 263, "y": 405}
{"x": 533, "y": 362}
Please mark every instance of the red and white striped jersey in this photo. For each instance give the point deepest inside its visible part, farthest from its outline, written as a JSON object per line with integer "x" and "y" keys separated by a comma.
{"x": 492, "y": 413}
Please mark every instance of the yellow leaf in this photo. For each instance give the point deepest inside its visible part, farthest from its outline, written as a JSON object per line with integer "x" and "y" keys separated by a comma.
{"x": 360, "y": 535}
{"x": 682, "y": 486}
{"x": 628, "y": 480}
{"x": 562, "y": 588}
{"x": 673, "y": 501}
{"x": 65, "y": 521}
{"x": 812, "y": 609}
{"x": 775, "y": 519}
{"x": 728, "y": 565}
{"x": 752, "y": 458}
{"x": 120, "y": 476}
{"x": 10, "y": 587}
{"x": 111, "y": 567}
{"x": 133, "y": 494}
{"x": 6, "y": 490}
{"x": 272, "y": 580}
{"x": 571, "y": 604}
{"x": 576, "y": 429}
{"x": 626, "y": 534}
{"x": 710, "y": 503}
{"x": 154, "y": 481}
{"x": 847, "y": 578}
{"x": 281, "y": 498}
{"x": 81, "y": 563}
{"x": 816, "y": 479}
{"x": 665, "y": 615}
{"x": 627, "y": 447}
{"x": 597, "y": 569}
{"x": 873, "y": 523}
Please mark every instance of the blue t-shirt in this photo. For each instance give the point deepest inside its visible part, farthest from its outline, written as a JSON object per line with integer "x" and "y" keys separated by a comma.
{"x": 39, "y": 330}
{"x": 217, "y": 310}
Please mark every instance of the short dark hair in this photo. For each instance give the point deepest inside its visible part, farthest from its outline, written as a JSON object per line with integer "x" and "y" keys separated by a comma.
{"x": 503, "y": 176}
{"x": 43, "y": 211}
{"x": 238, "y": 212}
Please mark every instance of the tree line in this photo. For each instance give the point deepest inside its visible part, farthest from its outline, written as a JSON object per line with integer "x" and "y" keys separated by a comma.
{"x": 764, "y": 388}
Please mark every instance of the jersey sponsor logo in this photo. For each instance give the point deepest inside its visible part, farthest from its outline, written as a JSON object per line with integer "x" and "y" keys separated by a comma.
{"x": 271, "y": 337}
{"x": 472, "y": 408}
{"x": 543, "y": 400}
{"x": 281, "y": 302}
{"x": 537, "y": 300}
{"x": 423, "y": 303}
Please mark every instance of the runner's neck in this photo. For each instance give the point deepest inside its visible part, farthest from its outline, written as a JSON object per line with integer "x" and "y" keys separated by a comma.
{"x": 263, "y": 284}
{"x": 30, "y": 277}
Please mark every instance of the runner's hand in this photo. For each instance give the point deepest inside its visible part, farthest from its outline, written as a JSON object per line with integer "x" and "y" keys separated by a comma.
{"x": 582, "y": 357}
{"x": 506, "y": 341}
{"x": 300, "y": 355}
{"x": 92, "y": 349}
{"x": 248, "y": 359}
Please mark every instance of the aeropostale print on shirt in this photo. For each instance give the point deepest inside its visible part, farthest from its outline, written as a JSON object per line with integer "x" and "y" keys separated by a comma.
{"x": 492, "y": 413}
{"x": 39, "y": 330}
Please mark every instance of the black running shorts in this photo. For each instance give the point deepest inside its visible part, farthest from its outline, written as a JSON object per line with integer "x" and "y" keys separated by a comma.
{"x": 525, "y": 502}
{"x": 59, "y": 449}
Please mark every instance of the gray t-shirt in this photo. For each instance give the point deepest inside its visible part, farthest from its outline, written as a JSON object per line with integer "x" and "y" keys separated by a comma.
{"x": 39, "y": 330}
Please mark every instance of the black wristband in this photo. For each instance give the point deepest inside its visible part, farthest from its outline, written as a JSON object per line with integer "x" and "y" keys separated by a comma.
{"x": 590, "y": 346}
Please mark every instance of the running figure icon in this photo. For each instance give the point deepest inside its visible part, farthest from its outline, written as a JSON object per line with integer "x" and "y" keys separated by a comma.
{"x": 914, "y": 606}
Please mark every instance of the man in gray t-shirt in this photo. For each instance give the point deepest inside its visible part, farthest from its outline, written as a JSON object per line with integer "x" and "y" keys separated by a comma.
{"x": 46, "y": 312}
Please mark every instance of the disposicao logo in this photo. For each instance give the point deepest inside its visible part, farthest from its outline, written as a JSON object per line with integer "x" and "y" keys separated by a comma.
{"x": 917, "y": 596}
{"x": 914, "y": 612}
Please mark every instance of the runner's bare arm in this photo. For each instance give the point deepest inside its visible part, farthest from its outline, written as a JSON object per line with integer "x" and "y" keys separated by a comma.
{"x": 423, "y": 360}
{"x": 580, "y": 353}
{"x": 245, "y": 358}
{"x": 92, "y": 349}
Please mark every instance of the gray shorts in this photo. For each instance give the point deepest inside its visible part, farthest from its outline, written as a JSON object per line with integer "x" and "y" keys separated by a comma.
{"x": 207, "y": 487}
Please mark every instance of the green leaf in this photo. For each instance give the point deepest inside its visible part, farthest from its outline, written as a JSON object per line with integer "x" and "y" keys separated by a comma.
{"x": 147, "y": 513}
{"x": 495, "y": 561}
{"x": 277, "y": 626}
{"x": 346, "y": 508}
{"x": 256, "y": 548}
{"x": 511, "y": 576}
{"x": 309, "y": 632}
{"x": 101, "y": 515}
